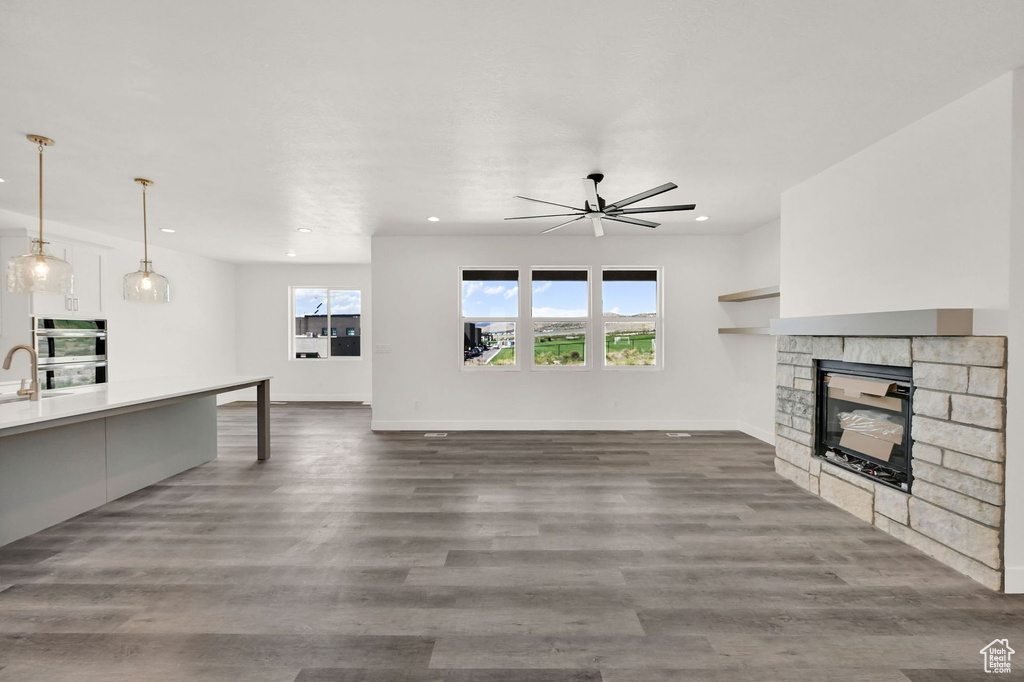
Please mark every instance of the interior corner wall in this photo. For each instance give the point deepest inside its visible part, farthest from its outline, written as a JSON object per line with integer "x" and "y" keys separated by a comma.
{"x": 264, "y": 327}
{"x": 1013, "y": 530}
{"x": 418, "y": 382}
{"x": 917, "y": 220}
{"x": 753, "y": 356}
{"x": 193, "y": 335}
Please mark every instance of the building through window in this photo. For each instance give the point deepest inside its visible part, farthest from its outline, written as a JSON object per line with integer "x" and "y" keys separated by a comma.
{"x": 489, "y": 317}
{"x": 318, "y": 314}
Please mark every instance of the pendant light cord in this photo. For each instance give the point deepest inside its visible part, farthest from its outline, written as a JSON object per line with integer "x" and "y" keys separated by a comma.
{"x": 145, "y": 231}
{"x": 40, "y": 197}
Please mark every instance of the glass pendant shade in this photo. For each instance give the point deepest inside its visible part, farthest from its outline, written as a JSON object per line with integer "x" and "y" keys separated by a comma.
{"x": 38, "y": 272}
{"x": 146, "y": 286}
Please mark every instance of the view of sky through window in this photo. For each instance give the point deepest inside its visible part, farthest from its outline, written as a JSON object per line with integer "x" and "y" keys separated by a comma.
{"x": 552, "y": 298}
{"x": 630, "y": 298}
{"x": 490, "y": 298}
{"x": 345, "y": 302}
{"x": 310, "y": 302}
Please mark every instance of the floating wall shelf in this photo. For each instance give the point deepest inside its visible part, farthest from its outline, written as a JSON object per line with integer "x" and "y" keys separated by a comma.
{"x": 752, "y": 295}
{"x": 744, "y": 330}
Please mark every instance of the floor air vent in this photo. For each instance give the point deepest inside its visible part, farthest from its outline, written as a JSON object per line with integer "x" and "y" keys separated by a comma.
{"x": 677, "y": 434}
{"x": 435, "y": 435}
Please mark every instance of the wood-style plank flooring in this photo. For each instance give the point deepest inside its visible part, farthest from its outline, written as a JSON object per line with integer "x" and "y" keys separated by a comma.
{"x": 483, "y": 557}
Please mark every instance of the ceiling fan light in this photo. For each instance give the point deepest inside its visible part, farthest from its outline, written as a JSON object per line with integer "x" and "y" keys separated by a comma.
{"x": 701, "y": 218}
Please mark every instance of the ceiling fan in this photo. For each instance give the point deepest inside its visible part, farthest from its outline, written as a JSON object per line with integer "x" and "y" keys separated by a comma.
{"x": 597, "y": 210}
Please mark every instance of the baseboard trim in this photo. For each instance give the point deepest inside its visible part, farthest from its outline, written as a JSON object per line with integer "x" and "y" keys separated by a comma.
{"x": 1013, "y": 580}
{"x": 552, "y": 425}
{"x": 760, "y": 434}
{"x": 307, "y": 398}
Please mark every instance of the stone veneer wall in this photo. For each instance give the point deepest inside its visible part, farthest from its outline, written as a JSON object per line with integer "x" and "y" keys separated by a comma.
{"x": 955, "y": 511}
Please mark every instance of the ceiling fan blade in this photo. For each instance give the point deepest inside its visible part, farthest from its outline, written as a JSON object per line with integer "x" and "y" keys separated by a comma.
{"x": 550, "y": 215}
{"x": 549, "y": 203}
{"x": 590, "y": 187}
{"x": 567, "y": 222}
{"x": 643, "y": 195}
{"x": 631, "y": 221}
{"x": 598, "y": 227}
{"x": 652, "y": 209}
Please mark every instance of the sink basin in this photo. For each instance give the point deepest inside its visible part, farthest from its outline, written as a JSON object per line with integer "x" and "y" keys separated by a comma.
{"x": 15, "y": 398}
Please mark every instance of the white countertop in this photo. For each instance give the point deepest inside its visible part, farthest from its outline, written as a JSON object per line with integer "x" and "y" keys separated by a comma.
{"x": 112, "y": 396}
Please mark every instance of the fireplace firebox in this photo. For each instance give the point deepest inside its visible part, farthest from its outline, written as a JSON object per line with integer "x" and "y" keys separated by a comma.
{"x": 863, "y": 420}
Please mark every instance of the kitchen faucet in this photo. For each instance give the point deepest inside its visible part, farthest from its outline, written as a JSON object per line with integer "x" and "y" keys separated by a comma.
{"x": 33, "y": 387}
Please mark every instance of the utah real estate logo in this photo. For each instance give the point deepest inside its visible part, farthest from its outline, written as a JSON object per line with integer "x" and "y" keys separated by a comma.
{"x": 997, "y": 656}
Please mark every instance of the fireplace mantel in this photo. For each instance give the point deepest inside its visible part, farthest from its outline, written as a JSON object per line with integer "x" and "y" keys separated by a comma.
{"x": 929, "y": 322}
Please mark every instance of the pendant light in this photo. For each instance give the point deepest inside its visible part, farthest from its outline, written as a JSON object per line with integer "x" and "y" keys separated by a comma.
{"x": 145, "y": 285}
{"x": 37, "y": 272}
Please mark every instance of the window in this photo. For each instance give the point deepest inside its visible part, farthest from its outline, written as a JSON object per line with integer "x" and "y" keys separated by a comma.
{"x": 631, "y": 311}
{"x": 560, "y": 305}
{"x": 489, "y": 314}
{"x": 317, "y": 314}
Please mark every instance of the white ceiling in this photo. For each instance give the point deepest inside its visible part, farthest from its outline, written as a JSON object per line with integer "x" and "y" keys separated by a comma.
{"x": 361, "y": 118}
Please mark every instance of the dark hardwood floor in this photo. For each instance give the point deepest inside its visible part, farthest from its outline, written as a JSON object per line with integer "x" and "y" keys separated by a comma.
{"x": 483, "y": 557}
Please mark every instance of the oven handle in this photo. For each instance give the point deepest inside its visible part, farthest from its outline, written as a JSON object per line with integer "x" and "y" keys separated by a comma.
{"x": 67, "y": 333}
{"x": 73, "y": 360}
{"x": 72, "y": 365}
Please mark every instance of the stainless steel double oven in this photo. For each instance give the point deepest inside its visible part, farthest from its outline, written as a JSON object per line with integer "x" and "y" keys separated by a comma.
{"x": 71, "y": 352}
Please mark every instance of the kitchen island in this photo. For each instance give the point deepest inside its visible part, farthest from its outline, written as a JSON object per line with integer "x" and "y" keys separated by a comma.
{"x": 75, "y": 450}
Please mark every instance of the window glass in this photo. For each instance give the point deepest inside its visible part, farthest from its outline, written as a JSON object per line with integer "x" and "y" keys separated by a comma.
{"x": 560, "y": 293}
{"x": 491, "y": 344}
{"x": 490, "y": 293}
{"x": 310, "y": 307}
{"x": 559, "y": 343}
{"x": 630, "y": 343}
{"x": 346, "y": 302}
{"x": 318, "y": 315}
{"x": 630, "y": 293}
{"x": 346, "y": 310}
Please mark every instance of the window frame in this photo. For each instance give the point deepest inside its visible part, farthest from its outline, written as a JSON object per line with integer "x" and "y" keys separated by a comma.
{"x": 517, "y": 336}
{"x": 587, "y": 320}
{"x": 659, "y": 321}
{"x": 291, "y": 324}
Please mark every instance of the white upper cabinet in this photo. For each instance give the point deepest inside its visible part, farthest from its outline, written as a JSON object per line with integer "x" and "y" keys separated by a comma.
{"x": 87, "y": 298}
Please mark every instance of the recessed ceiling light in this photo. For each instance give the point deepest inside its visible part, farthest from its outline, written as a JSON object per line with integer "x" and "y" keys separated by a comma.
{"x": 2, "y": 180}
{"x": 291, "y": 255}
{"x": 304, "y": 229}
{"x": 166, "y": 229}
{"x": 433, "y": 218}
{"x": 701, "y": 218}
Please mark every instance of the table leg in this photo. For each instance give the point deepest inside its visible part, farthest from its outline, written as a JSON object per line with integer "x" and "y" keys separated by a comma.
{"x": 263, "y": 421}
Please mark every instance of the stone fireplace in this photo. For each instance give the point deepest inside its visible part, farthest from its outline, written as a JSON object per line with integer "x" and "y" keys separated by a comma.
{"x": 954, "y": 510}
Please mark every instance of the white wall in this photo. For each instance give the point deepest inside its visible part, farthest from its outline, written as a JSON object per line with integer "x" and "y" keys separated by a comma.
{"x": 918, "y": 220}
{"x": 193, "y": 335}
{"x": 950, "y": 187}
{"x": 264, "y": 326}
{"x": 1013, "y": 533}
{"x": 753, "y": 357}
{"x": 419, "y": 384}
